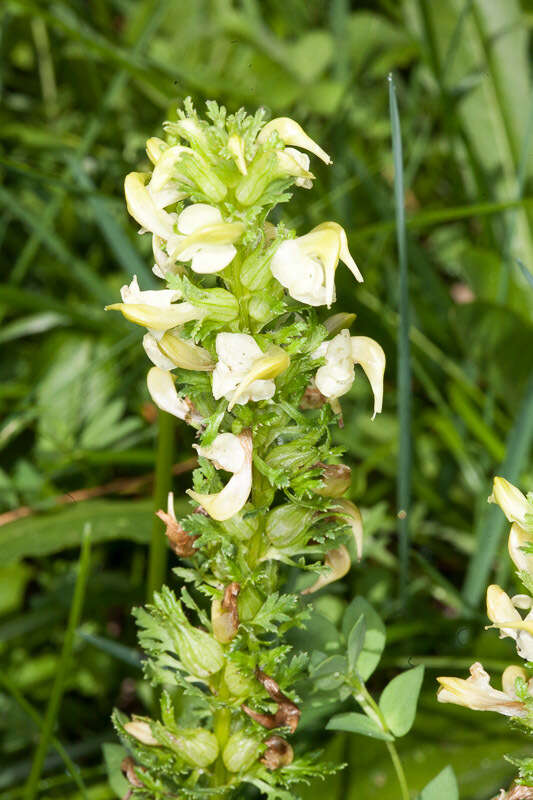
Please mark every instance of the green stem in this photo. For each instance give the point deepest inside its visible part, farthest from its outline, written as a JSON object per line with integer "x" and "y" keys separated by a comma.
{"x": 372, "y": 710}
{"x": 157, "y": 563}
{"x": 400, "y": 774}
{"x": 63, "y": 667}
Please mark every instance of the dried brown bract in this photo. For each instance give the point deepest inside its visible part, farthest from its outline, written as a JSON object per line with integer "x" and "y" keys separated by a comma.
{"x": 288, "y": 713}
{"x": 178, "y": 539}
{"x": 127, "y": 766}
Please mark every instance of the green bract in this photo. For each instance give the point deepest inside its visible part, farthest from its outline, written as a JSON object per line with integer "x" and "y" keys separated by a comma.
{"x": 234, "y": 334}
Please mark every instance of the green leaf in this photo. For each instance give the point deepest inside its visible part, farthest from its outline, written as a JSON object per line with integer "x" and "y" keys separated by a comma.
{"x": 57, "y": 531}
{"x": 358, "y": 723}
{"x": 399, "y": 699}
{"x": 375, "y": 635}
{"x": 356, "y": 640}
{"x": 113, "y": 756}
{"x": 443, "y": 787}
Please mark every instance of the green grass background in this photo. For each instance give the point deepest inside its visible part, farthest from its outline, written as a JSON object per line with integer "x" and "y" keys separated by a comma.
{"x": 82, "y": 86}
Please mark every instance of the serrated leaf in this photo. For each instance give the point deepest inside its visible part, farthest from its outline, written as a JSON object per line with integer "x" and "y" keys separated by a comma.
{"x": 358, "y": 723}
{"x": 399, "y": 699}
{"x": 443, "y": 787}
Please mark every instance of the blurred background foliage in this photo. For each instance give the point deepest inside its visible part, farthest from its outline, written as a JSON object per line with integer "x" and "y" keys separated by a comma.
{"x": 83, "y": 85}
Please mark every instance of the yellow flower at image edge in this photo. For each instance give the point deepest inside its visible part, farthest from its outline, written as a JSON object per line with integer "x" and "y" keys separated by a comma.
{"x": 476, "y": 692}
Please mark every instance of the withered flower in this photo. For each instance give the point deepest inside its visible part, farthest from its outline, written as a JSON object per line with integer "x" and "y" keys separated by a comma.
{"x": 225, "y": 614}
{"x": 278, "y": 754}
{"x": 127, "y": 767}
{"x": 288, "y": 713}
{"x": 178, "y": 539}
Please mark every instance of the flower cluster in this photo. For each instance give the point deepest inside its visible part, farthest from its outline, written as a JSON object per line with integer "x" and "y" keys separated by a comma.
{"x": 240, "y": 353}
{"x": 516, "y": 697}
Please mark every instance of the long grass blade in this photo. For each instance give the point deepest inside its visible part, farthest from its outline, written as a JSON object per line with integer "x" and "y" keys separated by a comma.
{"x": 492, "y": 523}
{"x": 37, "y": 719}
{"x": 157, "y": 563}
{"x": 403, "y": 483}
{"x": 31, "y": 788}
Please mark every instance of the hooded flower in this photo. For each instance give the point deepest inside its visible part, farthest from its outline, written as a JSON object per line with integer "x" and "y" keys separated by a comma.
{"x": 199, "y": 234}
{"x": 503, "y": 614}
{"x": 512, "y": 502}
{"x": 243, "y": 372}
{"x": 292, "y": 134}
{"x": 163, "y": 393}
{"x": 306, "y": 266}
{"x": 157, "y": 311}
{"x": 232, "y": 454}
{"x": 476, "y": 692}
{"x": 341, "y": 353}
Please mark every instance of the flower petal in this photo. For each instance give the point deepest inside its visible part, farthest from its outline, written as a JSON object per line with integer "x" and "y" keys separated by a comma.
{"x": 271, "y": 364}
{"x": 370, "y": 355}
{"x": 511, "y": 501}
{"x": 291, "y": 133}
{"x": 344, "y": 252}
{"x": 158, "y": 319}
{"x": 233, "y": 497}
{"x": 163, "y": 393}
{"x": 185, "y": 354}
{"x": 151, "y": 348}
{"x": 142, "y": 207}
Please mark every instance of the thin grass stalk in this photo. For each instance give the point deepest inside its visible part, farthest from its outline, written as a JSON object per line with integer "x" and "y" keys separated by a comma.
{"x": 403, "y": 484}
{"x": 31, "y": 788}
{"x": 492, "y": 524}
{"x": 27, "y": 707}
{"x": 157, "y": 559}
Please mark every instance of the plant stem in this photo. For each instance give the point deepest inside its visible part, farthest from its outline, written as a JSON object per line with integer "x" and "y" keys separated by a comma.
{"x": 372, "y": 710}
{"x": 157, "y": 563}
{"x": 58, "y": 688}
{"x": 400, "y": 774}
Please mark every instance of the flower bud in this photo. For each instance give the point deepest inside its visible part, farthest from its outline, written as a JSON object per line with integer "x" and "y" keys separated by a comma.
{"x": 225, "y": 614}
{"x": 278, "y": 754}
{"x": 236, "y": 148}
{"x": 218, "y": 304}
{"x": 336, "y": 479}
{"x": 338, "y": 322}
{"x": 238, "y": 685}
{"x": 240, "y": 752}
{"x": 199, "y": 171}
{"x": 339, "y": 563}
{"x": 141, "y": 731}
{"x": 519, "y": 539}
{"x": 261, "y": 173}
{"x": 288, "y": 524}
{"x": 198, "y": 747}
{"x": 291, "y": 133}
{"x": 511, "y": 501}
{"x": 185, "y": 354}
{"x": 255, "y": 271}
{"x": 250, "y": 601}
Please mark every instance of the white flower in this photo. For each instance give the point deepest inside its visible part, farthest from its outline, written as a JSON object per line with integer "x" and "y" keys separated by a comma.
{"x": 302, "y": 160}
{"x": 199, "y": 234}
{"x": 306, "y": 266}
{"x": 205, "y": 240}
{"x": 476, "y": 692}
{"x": 503, "y": 614}
{"x": 293, "y": 134}
{"x": 341, "y": 354}
{"x": 232, "y": 454}
{"x": 157, "y": 311}
{"x": 237, "y": 353}
{"x": 518, "y": 540}
{"x": 163, "y": 393}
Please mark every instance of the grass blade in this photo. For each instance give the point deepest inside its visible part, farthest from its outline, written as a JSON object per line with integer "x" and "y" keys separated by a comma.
{"x": 58, "y": 688}
{"x": 403, "y": 484}
{"x": 36, "y": 717}
{"x": 492, "y": 523}
{"x": 157, "y": 563}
